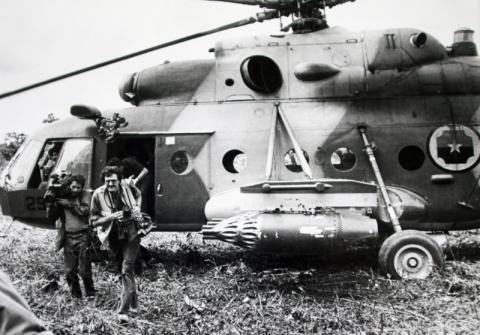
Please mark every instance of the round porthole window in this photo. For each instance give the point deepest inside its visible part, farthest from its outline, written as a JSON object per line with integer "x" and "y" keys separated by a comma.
{"x": 292, "y": 162}
{"x": 411, "y": 158}
{"x": 181, "y": 162}
{"x": 343, "y": 159}
{"x": 234, "y": 161}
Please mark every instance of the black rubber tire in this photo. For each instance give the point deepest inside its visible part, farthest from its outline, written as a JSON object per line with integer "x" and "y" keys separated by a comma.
{"x": 416, "y": 239}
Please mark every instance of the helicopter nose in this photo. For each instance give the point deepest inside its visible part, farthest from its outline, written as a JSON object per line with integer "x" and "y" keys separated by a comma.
{"x": 4, "y": 202}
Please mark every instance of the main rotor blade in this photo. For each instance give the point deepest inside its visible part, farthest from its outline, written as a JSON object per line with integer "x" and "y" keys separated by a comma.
{"x": 242, "y": 2}
{"x": 259, "y": 18}
{"x": 288, "y": 4}
{"x": 246, "y": 2}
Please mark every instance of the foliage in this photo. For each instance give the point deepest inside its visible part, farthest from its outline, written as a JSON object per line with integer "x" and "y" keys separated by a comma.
{"x": 198, "y": 288}
{"x": 11, "y": 143}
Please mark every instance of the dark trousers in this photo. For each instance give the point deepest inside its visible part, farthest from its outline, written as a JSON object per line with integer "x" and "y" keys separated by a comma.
{"x": 77, "y": 262}
{"x": 115, "y": 259}
{"x": 129, "y": 251}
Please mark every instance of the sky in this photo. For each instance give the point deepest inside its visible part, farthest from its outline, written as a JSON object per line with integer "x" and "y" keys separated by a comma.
{"x": 40, "y": 39}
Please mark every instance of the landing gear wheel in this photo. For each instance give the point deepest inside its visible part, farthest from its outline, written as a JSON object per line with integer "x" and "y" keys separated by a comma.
{"x": 410, "y": 254}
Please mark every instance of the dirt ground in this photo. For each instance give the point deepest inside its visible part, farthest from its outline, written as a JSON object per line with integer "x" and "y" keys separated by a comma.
{"x": 194, "y": 287}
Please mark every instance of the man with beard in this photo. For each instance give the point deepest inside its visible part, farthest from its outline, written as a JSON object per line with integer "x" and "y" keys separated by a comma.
{"x": 116, "y": 207}
{"x": 73, "y": 210}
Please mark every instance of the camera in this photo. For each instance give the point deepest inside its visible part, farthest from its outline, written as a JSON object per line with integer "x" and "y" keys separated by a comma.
{"x": 57, "y": 186}
{"x": 127, "y": 213}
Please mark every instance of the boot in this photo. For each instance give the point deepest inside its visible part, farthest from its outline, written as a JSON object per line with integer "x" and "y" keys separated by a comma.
{"x": 89, "y": 288}
{"x": 75, "y": 288}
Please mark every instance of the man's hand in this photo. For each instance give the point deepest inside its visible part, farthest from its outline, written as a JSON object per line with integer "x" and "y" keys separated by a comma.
{"x": 116, "y": 216}
{"x": 130, "y": 181}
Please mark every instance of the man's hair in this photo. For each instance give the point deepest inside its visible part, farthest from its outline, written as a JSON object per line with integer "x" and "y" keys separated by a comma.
{"x": 109, "y": 170}
{"x": 114, "y": 161}
{"x": 78, "y": 178}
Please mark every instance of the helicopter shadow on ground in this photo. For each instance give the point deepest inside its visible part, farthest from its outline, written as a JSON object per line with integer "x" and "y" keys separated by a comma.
{"x": 464, "y": 252}
{"x": 352, "y": 274}
{"x": 326, "y": 276}
{"x": 195, "y": 259}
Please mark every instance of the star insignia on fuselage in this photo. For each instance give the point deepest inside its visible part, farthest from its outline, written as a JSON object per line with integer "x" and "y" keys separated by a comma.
{"x": 455, "y": 147}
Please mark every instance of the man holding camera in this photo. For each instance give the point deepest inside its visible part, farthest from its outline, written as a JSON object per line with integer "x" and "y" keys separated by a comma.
{"x": 72, "y": 206}
{"x": 116, "y": 207}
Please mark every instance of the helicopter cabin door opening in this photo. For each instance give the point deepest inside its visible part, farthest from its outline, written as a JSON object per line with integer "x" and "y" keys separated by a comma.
{"x": 134, "y": 154}
{"x": 182, "y": 180}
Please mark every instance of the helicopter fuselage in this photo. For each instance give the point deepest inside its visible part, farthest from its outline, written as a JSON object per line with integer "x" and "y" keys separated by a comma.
{"x": 209, "y": 128}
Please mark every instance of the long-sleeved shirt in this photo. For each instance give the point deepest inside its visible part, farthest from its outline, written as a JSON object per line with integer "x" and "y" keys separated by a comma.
{"x": 104, "y": 204}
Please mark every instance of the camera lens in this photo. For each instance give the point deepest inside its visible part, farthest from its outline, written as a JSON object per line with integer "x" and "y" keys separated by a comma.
{"x": 126, "y": 212}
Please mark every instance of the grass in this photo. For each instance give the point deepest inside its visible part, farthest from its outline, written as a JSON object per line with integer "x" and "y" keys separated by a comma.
{"x": 212, "y": 288}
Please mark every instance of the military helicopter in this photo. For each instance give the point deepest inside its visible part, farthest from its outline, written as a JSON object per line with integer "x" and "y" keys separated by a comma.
{"x": 299, "y": 143}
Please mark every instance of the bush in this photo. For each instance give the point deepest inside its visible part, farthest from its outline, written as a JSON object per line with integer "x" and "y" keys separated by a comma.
{"x": 9, "y": 147}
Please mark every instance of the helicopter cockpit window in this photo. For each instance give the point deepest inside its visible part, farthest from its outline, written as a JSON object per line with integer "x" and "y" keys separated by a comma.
{"x": 181, "y": 162}
{"x": 45, "y": 164}
{"x": 411, "y": 158}
{"x": 234, "y": 161}
{"x": 261, "y": 74}
{"x": 343, "y": 159}
{"x": 76, "y": 158}
{"x": 17, "y": 172}
{"x": 292, "y": 162}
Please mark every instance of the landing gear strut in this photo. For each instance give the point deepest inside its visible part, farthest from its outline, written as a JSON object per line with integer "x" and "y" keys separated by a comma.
{"x": 407, "y": 254}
